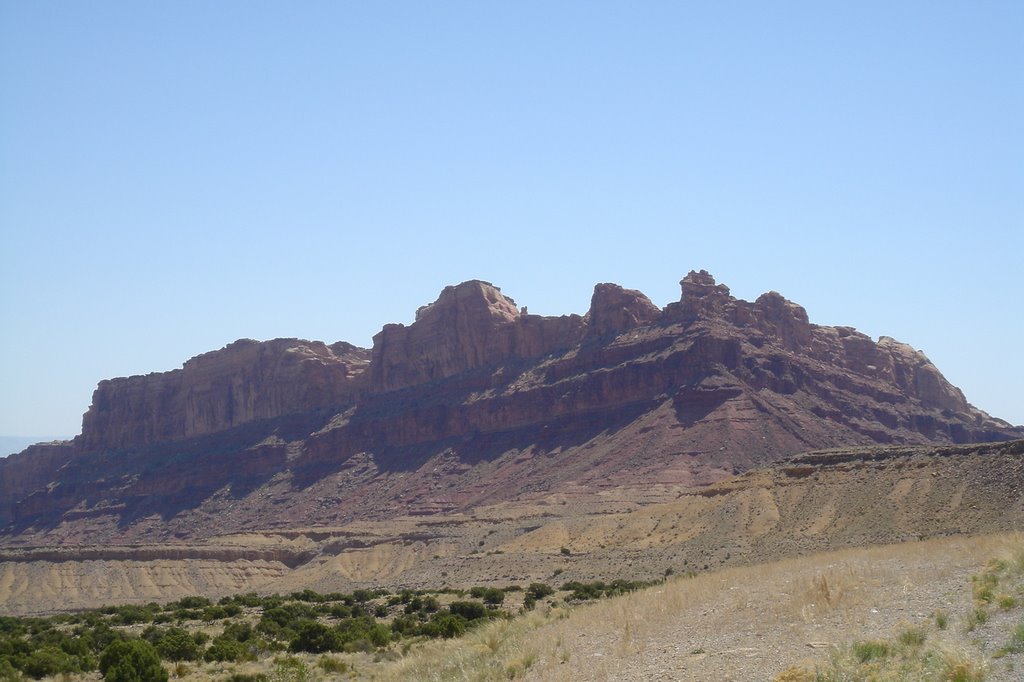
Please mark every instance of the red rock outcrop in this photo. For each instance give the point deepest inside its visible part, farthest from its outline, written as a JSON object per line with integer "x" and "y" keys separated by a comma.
{"x": 474, "y": 402}
{"x": 614, "y": 309}
{"x": 470, "y": 326}
{"x": 244, "y": 381}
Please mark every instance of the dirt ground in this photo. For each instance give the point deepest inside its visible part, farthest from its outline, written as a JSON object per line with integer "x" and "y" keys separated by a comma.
{"x": 751, "y": 623}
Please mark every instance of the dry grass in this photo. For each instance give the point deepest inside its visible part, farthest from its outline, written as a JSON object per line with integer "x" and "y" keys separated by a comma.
{"x": 737, "y": 619}
{"x": 497, "y": 650}
{"x": 897, "y": 612}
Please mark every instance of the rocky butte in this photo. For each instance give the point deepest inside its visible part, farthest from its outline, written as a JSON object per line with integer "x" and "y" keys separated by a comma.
{"x": 476, "y": 402}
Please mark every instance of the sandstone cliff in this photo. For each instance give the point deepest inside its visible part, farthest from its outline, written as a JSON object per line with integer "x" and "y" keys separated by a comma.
{"x": 475, "y": 402}
{"x": 469, "y": 326}
{"x": 244, "y": 381}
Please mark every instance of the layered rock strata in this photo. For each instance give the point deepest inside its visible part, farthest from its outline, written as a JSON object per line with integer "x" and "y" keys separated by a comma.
{"x": 474, "y": 402}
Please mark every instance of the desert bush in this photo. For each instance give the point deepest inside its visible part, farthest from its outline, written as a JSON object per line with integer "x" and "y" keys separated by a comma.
{"x": 173, "y": 644}
{"x": 446, "y": 625}
{"x": 494, "y": 596}
{"x": 870, "y": 650}
{"x": 332, "y": 665}
{"x": 132, "y": 660}
{"x": 232, "y": 644}
{"x": 193, "y": 602}
{"x": 975, "y": 617}
{"x": 1016, "y": 643}
{"x": 249, "y": 599}
{"x": 8, "y": 673}
{"x": 130, "y": 615}
{"x": 470, "y": 610}
{"x": 983, "y": 587}
{"x": 912, "y": 637}
{"x": 282, "y": 622}
{"x": 315, "y": 638}
{"x": 363, "y": 634}
{"x": 289, "y": 670}
{"x": 795, "y": 674}
{"x": 584, "y": 591}
{"x": 48, "y": 661}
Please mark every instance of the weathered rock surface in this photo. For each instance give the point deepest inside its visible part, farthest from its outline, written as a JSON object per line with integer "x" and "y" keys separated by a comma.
{"x": 244, "y": 381}
{"x": 474, "y": 403}
{"x": 470, "y": 326}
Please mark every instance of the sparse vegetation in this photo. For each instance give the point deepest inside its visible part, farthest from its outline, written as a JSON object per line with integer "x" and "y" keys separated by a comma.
{"x": 913, "y": 637}
{"x": 501, "y": 633}
{"x": 253, "y": 628}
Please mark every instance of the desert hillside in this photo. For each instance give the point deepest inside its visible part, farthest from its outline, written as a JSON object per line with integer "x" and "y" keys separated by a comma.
{"x": 809, "y": 503}
{"x": 477, "y": 403}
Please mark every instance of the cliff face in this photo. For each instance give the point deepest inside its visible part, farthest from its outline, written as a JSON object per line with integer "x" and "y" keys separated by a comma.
{"x": 470, "y": 326}
{"x": 243, "y": 382}
{"x": 477, "y": 401}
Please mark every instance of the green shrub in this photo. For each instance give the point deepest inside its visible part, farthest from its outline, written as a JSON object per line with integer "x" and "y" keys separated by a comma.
{"x": 446, "y": 625}
{"x": 870, "y": 651}
{"x": 539, "y": 590}
{"x": 130, "y": 615}
{"x": 984, "y": 587}
{"x": 315, "y": 638}
{"x": 49, "y": 661}
{"x": 1016, "y": 643}
{"x": 194, "y": 602}
{"x": 8, "y": 673}
{"x": 226, "y": 649}
{"x": 132, "y": 660}
{"x": 470, "y": 610}
{"x": 490, "y": 595}
{"x": 976, "y": 617}
{"x": 340, "y": 611}
{"x": 212, "y": 613}
{"x": 175, "y": 644}
{"x": 363, "y": 634}
{"x": 912, "y": 637}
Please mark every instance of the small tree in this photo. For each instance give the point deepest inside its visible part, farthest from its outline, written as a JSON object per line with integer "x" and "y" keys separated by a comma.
{"x": 539, "y": 590}
{"x": 177, "y": 645}
{"x": 315, "y": 638}
{"x": 133, "y": 660}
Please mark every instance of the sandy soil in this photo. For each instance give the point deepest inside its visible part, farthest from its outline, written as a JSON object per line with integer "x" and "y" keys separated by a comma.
{"x": 751, "y": 623}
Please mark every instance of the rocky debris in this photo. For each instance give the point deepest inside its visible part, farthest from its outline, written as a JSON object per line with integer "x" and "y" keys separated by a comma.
{"x": 476, "y": 402}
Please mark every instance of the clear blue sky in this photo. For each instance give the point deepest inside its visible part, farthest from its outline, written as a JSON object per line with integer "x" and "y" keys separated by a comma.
{"x": 176, "y": 175}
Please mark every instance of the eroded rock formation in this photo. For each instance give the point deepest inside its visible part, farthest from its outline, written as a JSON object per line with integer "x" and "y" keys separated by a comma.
{"x": 476, "y": 401}
{"x": 242, "y": 382}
